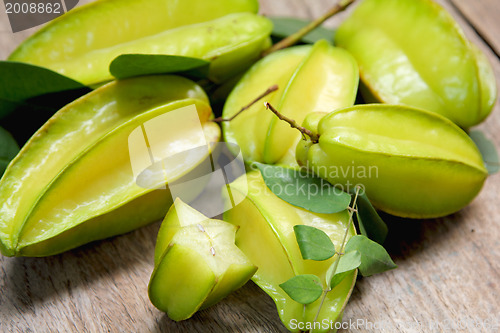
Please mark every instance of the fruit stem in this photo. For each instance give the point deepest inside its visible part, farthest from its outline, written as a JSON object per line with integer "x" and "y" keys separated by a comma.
{"x": 293, "y": 124}
{"x": 296, "y": 37}
{"x": 336, "y": 263}
{"x": 261, "y": 96}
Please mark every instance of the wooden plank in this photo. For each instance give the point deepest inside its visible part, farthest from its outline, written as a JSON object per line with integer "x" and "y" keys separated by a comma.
{"x": 448, "y": 268}
{"x": 483, "y": 15}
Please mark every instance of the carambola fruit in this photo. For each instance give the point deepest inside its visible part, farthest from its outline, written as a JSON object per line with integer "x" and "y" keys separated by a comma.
{"x": 82, "y": 43}
{"x": 73, "y": 182}
{"x": 412, "y": 163}
{"x": 310, "y": 78}
{"x": 267, "y": 237}
{"x": 196, "y": 263}
{"x": 412, "y": 52}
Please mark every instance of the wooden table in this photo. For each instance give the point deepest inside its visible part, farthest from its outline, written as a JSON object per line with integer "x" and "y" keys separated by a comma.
{"x": 448, "y": 273}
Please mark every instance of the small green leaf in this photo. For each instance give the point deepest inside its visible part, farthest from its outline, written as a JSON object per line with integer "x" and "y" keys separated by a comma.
{"x": 347, "y": 263}
{"x": 314, "y": 244}
{"x": 286, "y": 26}
{"x": 129, "y": 65}
{"x": 8, "y": 149}
{"x": 303, "y": 289}
{"x": 304, "y": 190}
{"x": 20, "y": 82}
{"x": 370, "y": 223}
{"x": 374, "y": 258}
{"x": 487, "y": 149}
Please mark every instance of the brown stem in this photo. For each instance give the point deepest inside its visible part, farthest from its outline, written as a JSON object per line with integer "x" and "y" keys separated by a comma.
{"x": 296, "y": 37}
{"x": 293, "y": 124}
{"x": 261, "y": 96}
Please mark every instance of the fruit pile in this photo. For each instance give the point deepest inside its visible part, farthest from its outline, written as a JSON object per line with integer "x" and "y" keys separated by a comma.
{"x": 137, "y": 62}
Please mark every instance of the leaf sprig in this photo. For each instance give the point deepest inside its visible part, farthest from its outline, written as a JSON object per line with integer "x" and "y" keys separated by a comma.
{"x": 358, "y": 253}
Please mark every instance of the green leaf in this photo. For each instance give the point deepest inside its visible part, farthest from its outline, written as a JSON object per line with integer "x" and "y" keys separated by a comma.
{"x": 303, "y": 289}
{"x": 374, "y": 258}
{"x": 304, "y": 190}
{"x": 314, "y": 244}
{"x": 8, "y": 149}
{"x": 129, "y": 65}
{"x": 38, "y": 110}
{"x": 20, "y": 82}
{"x": 487, "y": 149}
{"x": 347, "y": 263}
{"x": 370, "y": 223}
{"x": 285, "y": 26}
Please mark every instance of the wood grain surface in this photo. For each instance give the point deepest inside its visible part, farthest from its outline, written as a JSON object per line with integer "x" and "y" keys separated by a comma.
{"x": 448, "y": 272}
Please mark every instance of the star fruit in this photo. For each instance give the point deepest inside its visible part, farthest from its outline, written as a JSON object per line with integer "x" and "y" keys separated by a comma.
{"x": 73, "y": 182}
{"x": 82, "y": 43}
{"x": 412, "y": 163}
{"x": 196, "y": 263}
{"x": 310, "y": 78}
{"x": 412, "y": 52}
{"x": 267, "y": 238}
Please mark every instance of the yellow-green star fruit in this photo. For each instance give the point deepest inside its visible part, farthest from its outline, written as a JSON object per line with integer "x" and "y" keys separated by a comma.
{"x": 196, "y": 263}
{"x": 73, "y": 182}
{"x": 267, "y": 238}
{"x": 412, "y": 52}
{"x": 310, "y": 78}
{"x": 82, "y": 43}
{"x": 412, "y": 163}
